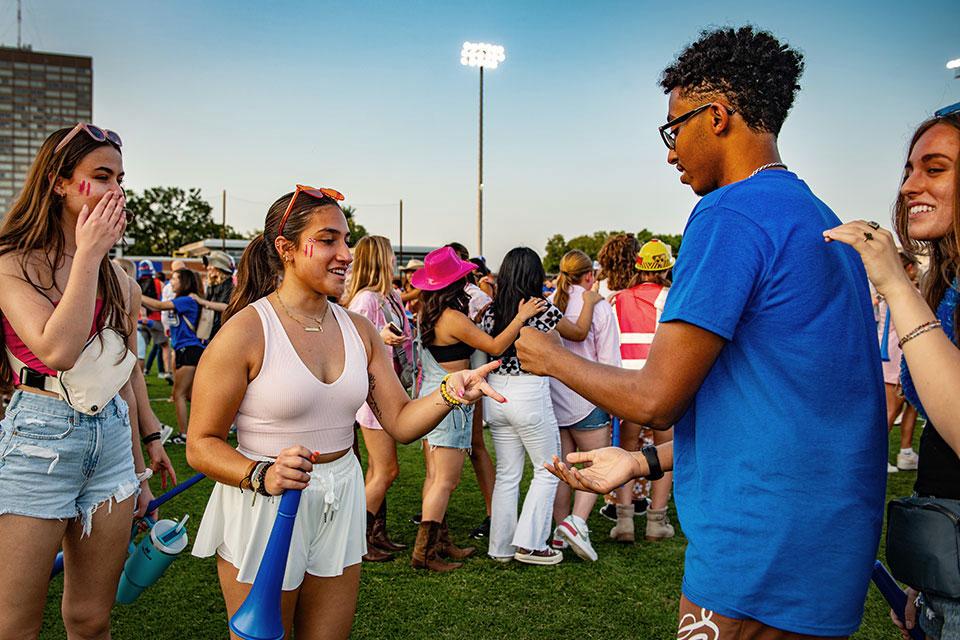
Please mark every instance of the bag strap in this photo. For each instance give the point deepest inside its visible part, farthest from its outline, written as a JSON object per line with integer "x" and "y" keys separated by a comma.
{"x": 50, "y": 383}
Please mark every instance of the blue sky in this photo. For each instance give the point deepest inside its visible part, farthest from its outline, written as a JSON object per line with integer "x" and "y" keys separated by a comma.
{"x": 370, "y": 98}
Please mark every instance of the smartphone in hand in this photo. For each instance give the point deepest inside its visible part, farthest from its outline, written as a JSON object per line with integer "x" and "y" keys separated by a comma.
{"x": 394, "y": 329}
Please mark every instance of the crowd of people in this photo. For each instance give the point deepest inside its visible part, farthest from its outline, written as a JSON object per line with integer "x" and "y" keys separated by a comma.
{"x": 754, "y": 370}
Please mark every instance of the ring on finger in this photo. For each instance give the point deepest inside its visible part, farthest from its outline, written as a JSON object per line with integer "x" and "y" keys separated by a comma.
{"x": 873, "y": 225}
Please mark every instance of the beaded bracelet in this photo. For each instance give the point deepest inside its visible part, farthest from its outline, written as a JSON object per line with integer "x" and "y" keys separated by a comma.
{"x": 926, "y": 326}
{"x": 445, "y": 394}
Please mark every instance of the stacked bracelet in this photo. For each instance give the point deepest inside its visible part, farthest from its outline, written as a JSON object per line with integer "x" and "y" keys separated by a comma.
{"x": 150, "y": 437}
{"x": 446, "y": 395}
{"x": 926, "y": 326}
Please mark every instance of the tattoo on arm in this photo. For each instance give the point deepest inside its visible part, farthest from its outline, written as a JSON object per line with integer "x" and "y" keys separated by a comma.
{"x": 371, "y": 401}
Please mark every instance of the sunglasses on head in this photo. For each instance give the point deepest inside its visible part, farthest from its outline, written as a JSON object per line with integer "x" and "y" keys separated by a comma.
{"x": 95, "y": 132}
{"x": 947, "y": 111}
{"x": 314, "y": 192}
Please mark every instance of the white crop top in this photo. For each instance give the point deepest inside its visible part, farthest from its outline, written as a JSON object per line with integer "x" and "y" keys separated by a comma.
{"x": 286, "y": 405}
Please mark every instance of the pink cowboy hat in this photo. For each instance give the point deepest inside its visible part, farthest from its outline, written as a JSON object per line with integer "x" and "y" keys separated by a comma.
{"x": 441, "y": 268}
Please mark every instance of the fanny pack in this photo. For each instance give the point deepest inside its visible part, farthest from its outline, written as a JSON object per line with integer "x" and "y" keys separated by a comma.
{"x": 923, "y": 544}
{"x": 103, "y": 367}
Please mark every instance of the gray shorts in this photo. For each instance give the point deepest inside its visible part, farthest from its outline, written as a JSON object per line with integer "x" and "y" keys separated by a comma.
{"x": 939, "y": 618}
{"x": 57, "y": 463}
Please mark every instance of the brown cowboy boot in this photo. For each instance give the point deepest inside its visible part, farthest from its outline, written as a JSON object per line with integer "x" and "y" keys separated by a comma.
{"x": 447, "y": 549}
{"x": 425, "y": 550}
{"x": 374, "y": 554}
{"x": 378, "y": 536}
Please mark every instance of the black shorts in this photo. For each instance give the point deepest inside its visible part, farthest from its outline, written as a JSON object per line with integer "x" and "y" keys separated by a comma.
{"x": 188, "y": 356}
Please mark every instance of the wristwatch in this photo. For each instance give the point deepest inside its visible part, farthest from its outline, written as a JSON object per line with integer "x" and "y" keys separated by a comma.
{"x": 650, "y": 453}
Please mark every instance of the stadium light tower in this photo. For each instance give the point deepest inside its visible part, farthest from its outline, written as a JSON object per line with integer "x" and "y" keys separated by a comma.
{"x": 954, "y": 65}
{"x": 481, "y": 54}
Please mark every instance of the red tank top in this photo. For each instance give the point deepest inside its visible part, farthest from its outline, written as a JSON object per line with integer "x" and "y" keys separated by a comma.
{"x": 19, "y": 349}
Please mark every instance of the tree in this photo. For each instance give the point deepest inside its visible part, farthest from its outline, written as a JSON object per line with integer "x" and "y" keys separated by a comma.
{"x": 557, "y": 246}
{"x": 166, "y": 218}
{"x": 357, "y": 230}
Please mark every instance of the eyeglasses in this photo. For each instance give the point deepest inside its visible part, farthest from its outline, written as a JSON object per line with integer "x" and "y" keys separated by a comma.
{"x": 669, "y": 131}
{"x": 322, "y": 192}
{"x": 95, "y": 132}
{"x": 948, "y": 110}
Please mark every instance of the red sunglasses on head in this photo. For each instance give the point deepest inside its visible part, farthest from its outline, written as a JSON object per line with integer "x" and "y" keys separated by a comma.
{"x": 322, "y": 192}
{"x": 95, "y": 132}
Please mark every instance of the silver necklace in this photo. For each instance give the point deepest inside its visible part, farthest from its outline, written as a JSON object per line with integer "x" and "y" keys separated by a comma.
{"x": 770, "y": 165}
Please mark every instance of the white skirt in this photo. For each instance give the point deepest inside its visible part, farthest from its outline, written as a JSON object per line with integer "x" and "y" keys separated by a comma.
{"x": 329, "y": 533}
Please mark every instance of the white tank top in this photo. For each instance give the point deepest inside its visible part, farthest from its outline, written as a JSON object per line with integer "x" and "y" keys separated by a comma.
{"x": 286, "y": 405}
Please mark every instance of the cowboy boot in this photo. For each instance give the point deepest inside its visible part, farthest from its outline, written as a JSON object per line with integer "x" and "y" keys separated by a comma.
{"x": 425, "y": 550}
{"x": 447, "y": 549}
{"x": 374, "y": 554}
{"x": 379, "y": 533}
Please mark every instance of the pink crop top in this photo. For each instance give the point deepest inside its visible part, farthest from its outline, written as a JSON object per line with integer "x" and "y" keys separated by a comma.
{"x": 286, "y": 405}
{"x": 22, "y": 351}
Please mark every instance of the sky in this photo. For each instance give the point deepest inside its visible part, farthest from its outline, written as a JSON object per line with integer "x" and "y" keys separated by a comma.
{"x": 370, "y": 98}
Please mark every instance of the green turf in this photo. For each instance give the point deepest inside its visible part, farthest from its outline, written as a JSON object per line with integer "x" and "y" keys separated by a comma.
{"x": 631, "y": 592}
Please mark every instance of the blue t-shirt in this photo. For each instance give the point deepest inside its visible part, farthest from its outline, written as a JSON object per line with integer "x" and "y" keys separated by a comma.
{"x": 180, "y": 334}
{"x": 779, "y": 460}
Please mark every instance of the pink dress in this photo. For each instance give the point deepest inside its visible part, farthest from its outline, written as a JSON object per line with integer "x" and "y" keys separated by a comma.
{"x": 373, "y": 306}
{"x": 891, "y": 367}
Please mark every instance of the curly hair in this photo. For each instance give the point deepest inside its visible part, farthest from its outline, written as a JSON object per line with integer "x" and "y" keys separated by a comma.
{"x": 616, "y": 258}
{"x": 757, "y": 73}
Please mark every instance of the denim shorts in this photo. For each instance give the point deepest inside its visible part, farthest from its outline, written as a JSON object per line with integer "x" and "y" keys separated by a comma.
{"x": 939, "y": 617}
{"x": 596, "y": 419}
{"x": 57, "y": 463}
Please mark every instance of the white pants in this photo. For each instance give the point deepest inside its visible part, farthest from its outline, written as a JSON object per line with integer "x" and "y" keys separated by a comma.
{"x": 525, "y": 424}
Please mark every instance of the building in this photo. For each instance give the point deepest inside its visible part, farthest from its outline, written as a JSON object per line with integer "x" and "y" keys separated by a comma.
{"x": 39, "y": 93}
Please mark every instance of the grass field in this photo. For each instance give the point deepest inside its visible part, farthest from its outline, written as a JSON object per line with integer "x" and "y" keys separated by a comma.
{"x": 631, "y": 592}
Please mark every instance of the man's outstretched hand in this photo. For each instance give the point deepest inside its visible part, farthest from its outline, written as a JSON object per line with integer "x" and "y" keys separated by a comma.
{"x": 609, "y": 468}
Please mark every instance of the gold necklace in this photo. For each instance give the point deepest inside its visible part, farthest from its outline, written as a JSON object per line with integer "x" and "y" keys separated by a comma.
{"x": 319, "y": 321}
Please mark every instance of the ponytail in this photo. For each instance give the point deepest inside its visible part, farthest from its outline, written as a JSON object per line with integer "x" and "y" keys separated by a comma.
{"x": 256, "y": 276}
{"x": 573, "y": 266}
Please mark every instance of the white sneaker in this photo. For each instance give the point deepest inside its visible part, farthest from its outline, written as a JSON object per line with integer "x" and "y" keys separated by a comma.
{"x": 165, "y": 432}
{"x": 557, "y": 541}
{"x": 575, "y": 531}
{"x": 891, "y": 468}
{"x": 907, "y": 460}
{"x": 546, "y": 556}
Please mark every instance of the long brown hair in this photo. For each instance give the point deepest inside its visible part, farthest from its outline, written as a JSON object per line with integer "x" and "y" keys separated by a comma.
{"x": 616, "y": 258}
{"x": 434, "y": 303}
{"x": 372, "y": 267}
{"x": 573, "y": 266}
{"x": 944, "y": 253}
{"x": 33, "y": 227}
{"x": 260, "y": 266}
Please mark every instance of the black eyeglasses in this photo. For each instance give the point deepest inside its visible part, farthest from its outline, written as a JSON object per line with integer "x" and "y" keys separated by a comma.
{"x": 948, "y": 110}
{"x": 669, "y": 131}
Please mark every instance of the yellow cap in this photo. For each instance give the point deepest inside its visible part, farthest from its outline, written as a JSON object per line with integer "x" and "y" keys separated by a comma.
{"x": 654, "y": 256}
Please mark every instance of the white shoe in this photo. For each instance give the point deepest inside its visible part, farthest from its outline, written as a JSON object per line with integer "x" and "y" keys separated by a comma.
{"x": 575, "y": 531}
{"x": 907, "y": 460}
{"x": 557, "y": 541}
{"x": 546, "y": 556}
{"x": 891, "y": 468}
{"x": 165, "y": 432}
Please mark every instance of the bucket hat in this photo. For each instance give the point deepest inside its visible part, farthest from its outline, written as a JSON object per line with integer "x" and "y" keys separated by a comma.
{"x": 442, "y": 268}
